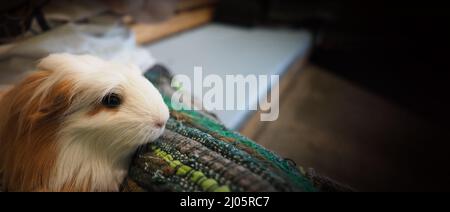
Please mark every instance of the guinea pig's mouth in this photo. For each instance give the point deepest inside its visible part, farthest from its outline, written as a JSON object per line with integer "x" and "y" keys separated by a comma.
{"x": 152, "y": 134}
{"x": 144, "y": 135}
{"x": 150, "y": 138}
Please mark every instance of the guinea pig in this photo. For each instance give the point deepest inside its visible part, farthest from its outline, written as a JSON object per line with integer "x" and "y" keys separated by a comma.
{"x": 74, "y": 123}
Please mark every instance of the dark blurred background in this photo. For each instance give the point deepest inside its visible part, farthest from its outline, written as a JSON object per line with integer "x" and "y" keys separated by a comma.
{"x": 386, "y": 129}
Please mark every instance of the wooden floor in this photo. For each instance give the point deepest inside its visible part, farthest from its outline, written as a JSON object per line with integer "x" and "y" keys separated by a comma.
{"x": 350, "y": 135}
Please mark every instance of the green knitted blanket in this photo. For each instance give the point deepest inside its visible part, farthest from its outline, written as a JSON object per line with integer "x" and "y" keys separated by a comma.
{"x": 198, "y": 154}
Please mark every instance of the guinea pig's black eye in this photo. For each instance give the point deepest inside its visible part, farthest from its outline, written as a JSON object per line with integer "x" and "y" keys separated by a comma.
{"x": 111, "y": 100}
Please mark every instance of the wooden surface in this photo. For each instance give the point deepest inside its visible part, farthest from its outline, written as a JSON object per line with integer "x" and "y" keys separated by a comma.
{"x": 147, "y": 33}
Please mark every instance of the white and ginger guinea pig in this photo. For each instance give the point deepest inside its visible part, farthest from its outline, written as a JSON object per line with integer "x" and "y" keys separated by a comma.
{"x": 74, "y": 124}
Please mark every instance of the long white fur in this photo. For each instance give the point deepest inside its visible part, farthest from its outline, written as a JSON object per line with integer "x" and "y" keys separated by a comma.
{"x": 97, "y": 149}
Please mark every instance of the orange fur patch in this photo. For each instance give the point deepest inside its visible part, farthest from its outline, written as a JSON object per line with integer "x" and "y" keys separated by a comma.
{"x": 99, "y": 108}
{"x": 28, "y": 133}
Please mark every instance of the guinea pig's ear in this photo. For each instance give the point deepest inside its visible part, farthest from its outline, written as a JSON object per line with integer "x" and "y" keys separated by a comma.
{"x": 49, "y": 104}
{"x": 54, "y": 103}
{"x": 57, "y": 100}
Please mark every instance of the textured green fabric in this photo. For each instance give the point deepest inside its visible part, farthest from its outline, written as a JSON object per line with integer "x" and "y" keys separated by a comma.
{"x": 198, "y": 153}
